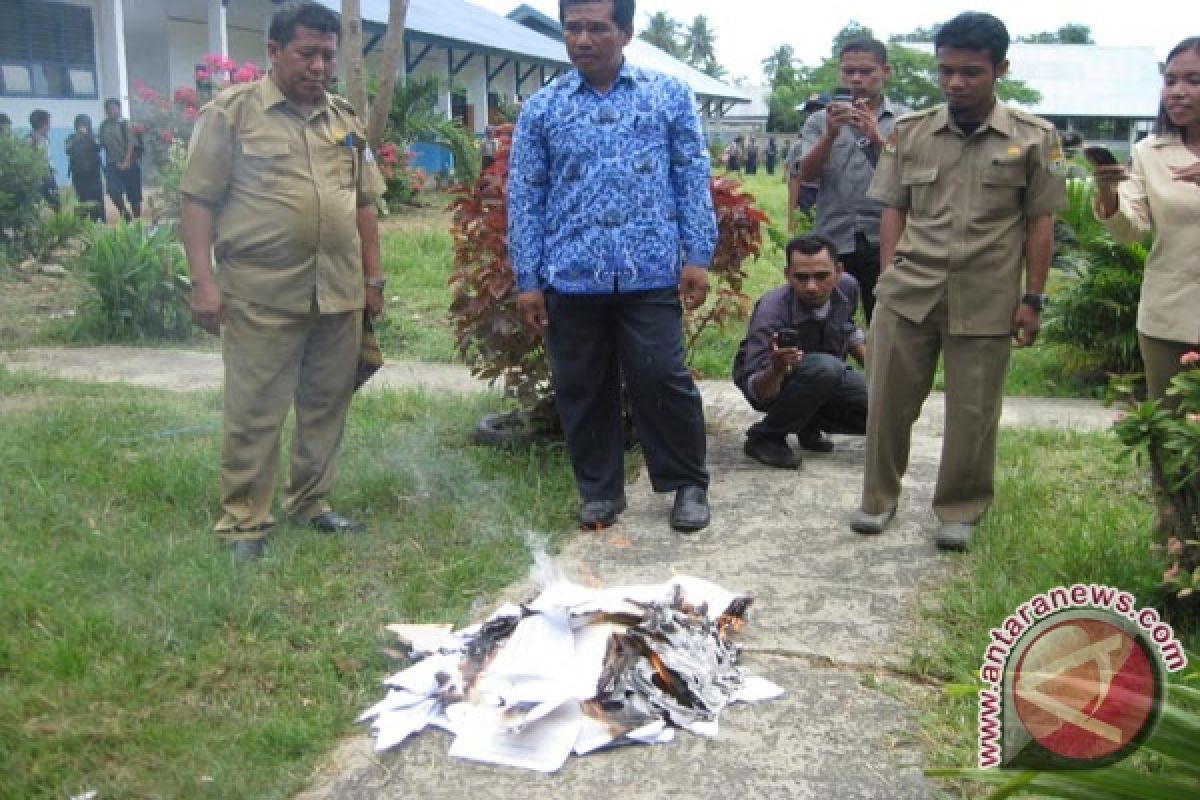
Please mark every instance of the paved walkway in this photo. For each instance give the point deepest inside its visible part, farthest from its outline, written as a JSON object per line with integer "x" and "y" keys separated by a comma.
{"x": 831, "y": 608}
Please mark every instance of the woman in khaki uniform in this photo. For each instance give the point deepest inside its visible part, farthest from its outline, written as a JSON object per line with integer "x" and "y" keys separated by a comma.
{"x": 1161, "y": 193}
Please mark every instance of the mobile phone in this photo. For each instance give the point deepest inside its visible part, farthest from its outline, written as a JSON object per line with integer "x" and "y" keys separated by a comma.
{"x": 843, "y": 95}
{"x": 1099, "y": 156}
{"x": 787, "y": 337}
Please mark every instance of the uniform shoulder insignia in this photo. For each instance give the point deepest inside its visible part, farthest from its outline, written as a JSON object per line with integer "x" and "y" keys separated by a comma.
{"x": 342, "y": 104}
{"x": 889, "y": 146}
{"x": 1031, "y": 119}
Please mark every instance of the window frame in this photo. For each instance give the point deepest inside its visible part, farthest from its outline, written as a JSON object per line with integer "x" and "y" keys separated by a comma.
{"x": 61, "y": 56}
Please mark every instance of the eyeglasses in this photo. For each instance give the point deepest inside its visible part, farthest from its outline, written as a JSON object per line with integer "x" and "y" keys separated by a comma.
{"x": 805, "y": 277}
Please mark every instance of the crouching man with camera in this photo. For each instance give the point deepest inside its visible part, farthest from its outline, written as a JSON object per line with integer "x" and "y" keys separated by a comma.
{"x": 792, "y": 363}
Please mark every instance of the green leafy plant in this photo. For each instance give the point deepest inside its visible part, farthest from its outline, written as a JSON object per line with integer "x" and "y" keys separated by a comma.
{"x": 1095, "y": 316}
{"x": 1166, "y": 436}
{"x": 140, "y": 286}
{"x": 22, "y": 171}
{"x": 1166, "y": 767}
{"x": 55, "y": 229}
{"x": 165, "y": 204}
{"x": 415, "y": 117}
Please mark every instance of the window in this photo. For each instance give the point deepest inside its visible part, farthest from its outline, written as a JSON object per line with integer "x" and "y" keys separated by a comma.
{"x": 46, "y": 49}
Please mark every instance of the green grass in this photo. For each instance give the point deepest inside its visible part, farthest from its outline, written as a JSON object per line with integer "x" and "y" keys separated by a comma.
{"x": 138, "y": 660}
{"x": 1067, "y": 510}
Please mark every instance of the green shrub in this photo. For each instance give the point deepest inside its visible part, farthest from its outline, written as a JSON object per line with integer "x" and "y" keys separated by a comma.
{"x": 1095, "y": 316}
{"x": 141, "y": 291}
{"x": 22, "y": 170}
{"x": 54, "y": 229}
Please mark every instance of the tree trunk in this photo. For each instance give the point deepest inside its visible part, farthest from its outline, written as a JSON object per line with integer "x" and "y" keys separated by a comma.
{"x": 389, "y": 67}
{"x": 352, "y": 56}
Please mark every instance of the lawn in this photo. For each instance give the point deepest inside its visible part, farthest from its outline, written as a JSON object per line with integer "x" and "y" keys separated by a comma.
{"x": 138, "y": 660}
{"x": 1068, "y": 509}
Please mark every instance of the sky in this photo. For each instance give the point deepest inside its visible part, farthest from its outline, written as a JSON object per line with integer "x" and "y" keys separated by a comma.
{"x": 747, "y": 31}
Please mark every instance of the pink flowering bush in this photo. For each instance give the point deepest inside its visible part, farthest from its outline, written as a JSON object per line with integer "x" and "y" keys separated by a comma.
{"x": 166, "y": 121}
{"x": 403, "y": 181}
{"x": 1168, "y": 439}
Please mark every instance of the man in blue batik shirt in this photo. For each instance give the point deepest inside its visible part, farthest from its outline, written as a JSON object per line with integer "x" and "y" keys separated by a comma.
{"x": 611, "y": 225}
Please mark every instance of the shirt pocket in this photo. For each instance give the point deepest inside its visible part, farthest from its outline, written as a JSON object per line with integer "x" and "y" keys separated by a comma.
{"x": 1003, "y": 187}
{"x": 919, "y": 182}
{"x": 262, "y": 160}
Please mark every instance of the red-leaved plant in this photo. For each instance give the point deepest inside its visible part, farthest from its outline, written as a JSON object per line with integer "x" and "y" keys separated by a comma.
{"x": 490, "y": 337}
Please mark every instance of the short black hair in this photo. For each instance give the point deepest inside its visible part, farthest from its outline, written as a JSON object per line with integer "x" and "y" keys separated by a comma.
{"x": 866, "y": 44}
{"x": 1163, "y": 124}
{"x": 810, "y": 244}
{"x": 112, "y": 101}
{"x": 39, "y": 117}
{"x": 83, "y": 118}
{"x": 311, "y": 15}
{"x": 974, "y": 30}
{"x": 622, "y": 13}
{"x": 5, "y": 120}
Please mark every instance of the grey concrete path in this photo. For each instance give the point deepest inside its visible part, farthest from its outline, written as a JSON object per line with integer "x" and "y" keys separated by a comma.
{"x": 829, "y": 622}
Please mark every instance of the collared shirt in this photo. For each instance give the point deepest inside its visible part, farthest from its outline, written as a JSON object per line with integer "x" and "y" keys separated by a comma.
{"x": 780, "y": 308}
{"x": 609, "y": 193}
{"x": 285, "y": 187}
{"x": 967, "y": 202}
{"x": 1152, "y": 200}
{"x": 843, "y": 208}
{"x": 114, "y": 139}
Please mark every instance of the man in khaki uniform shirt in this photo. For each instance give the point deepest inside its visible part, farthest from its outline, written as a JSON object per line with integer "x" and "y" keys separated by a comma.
{"x": 970, "y": 189}
{"x": 280, "y": 189}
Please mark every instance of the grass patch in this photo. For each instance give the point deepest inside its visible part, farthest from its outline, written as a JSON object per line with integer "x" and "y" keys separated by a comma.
{"x": 138, "y": 660}
{"x": 1067, "y": 510}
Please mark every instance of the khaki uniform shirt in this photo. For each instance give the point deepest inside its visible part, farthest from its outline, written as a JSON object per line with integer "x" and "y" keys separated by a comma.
{"x": 1152, "y": 200}
{"x": 967, "y": 201}
{"x": 285, "y": 190}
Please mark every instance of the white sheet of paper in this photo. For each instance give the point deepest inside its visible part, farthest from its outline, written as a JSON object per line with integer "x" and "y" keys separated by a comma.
{"x": 425, "y": 638}
{"x": 542, "y": 746}
{"x": 421, "y": 677}
{"x": 396, "y": 698}
{"x": 393, "y": 727}
{"x": 756, "y": 690}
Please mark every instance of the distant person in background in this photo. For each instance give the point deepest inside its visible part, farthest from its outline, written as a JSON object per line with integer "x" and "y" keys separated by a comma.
{"x": 752, "y": 157}
{"x": 39, "y": 139}
{"x": 5, "y": 125}
{"x": 734, "y": 156}
{"x": 1160, "y": 192}
{"x": 772, "y": 155}
{"x": 490, "y": 146}
{"x": 122, "y": 169}
{"x": 802, "y": 194}
{"x": 84, "y": 168}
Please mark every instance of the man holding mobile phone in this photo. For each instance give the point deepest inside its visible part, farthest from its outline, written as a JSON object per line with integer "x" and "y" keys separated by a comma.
{"x": 840, "y": 147}
{"x": 792, "y": 363}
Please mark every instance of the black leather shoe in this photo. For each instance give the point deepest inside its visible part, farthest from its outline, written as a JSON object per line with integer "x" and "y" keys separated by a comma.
{"x": 597, "y": 514}
{"x": 690, "y": 512}
{"x": 330, "y": 522}
{"x": 248, "y": 550}
{"x": 815, "y": 441}
{"x": 772, "y": 452}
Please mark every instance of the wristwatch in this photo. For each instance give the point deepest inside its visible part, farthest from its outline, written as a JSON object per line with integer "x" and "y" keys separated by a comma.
{"x": 1035, "y": 301}
{"x": 377, "y": 283}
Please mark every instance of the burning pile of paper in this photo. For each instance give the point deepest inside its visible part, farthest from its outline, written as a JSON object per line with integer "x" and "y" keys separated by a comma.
{"x": 578, "y": 669}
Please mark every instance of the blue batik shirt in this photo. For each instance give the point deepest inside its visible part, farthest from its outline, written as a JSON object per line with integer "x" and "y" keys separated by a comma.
{"x": 609, "y": 193}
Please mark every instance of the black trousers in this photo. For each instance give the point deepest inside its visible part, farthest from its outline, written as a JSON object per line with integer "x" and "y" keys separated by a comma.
{"x": 821, "y": 393}
{"x": 863, "y": 264}
{"x": 593, "y": 340}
